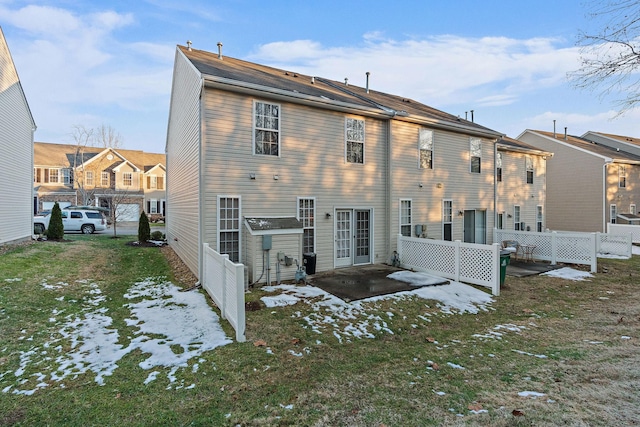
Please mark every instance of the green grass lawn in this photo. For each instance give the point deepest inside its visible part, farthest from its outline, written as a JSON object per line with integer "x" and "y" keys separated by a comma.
{"x": 548, "y": 351}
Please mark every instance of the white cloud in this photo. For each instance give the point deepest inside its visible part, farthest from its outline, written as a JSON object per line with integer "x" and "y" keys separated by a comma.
{"x": 440, "y": 70}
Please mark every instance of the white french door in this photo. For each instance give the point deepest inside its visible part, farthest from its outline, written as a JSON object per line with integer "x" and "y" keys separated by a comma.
{"x": 353, "y": 237}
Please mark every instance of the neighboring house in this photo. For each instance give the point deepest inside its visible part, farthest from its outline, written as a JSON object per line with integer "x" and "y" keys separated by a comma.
{"x": 16, "y": 153}
{"x": 624, "y": 143}
{"x": 590, "y": 184}
{"x": 126, "y": 182}
{"x": 520, "y": 186}
{"x": 267, "y": 164}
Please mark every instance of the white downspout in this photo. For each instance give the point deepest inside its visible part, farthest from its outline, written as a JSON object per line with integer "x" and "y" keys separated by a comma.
{"x": 604, "y": 195}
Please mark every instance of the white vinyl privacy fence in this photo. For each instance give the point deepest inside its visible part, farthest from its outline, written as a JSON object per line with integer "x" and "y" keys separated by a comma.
{"x": 462, "y": 262}
{"x": 224, "y": 282}
{"x": 633, "y": 230}
{"x": 569, "y": 247}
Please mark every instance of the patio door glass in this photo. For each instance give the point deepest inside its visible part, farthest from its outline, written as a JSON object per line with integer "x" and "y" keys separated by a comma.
{"x": 353, "y": 237}
{"x": 362, "y": 237}
{"x": 343, "y": 238}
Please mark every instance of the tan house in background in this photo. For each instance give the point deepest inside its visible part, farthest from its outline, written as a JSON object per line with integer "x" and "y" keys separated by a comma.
{"x": 127, "y": 182}
{"x": 16, "y": 153}
{"x": 589, "y": 183}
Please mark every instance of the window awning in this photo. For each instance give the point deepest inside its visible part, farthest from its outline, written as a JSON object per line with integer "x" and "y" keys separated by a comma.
{"x": 273, "y": 225}
{"x": 629, "y": 217}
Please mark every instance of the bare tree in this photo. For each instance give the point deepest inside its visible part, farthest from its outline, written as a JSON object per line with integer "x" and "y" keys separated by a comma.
{"x": 107, "y": 137}
{"x": 120, "y": 202}
{"x": 83, "y": 138}
{"x": 610, "y": 56}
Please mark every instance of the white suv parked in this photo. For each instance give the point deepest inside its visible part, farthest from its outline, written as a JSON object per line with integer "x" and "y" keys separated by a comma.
{"x": 86, "y": 221}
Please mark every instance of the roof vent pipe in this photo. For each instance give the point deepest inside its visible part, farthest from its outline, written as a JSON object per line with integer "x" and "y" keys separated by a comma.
{"x": 565, "y": 133}
{"x": 346, "y": 81}
{"x": 313, "y": 80}
{"x": 471, "y": 116}
{"x": 219, "y": 50}
{"x": 189, "y": 45}
{"x": 368, "y": 81}
{"x": 554, "y": 128}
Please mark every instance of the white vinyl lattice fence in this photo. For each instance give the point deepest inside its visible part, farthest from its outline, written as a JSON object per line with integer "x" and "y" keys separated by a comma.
{"x": 224, "y": 282}
{"x": 464, "y": 262}
{"x": 627, "y": 229}
{"x": 569, "y": 247}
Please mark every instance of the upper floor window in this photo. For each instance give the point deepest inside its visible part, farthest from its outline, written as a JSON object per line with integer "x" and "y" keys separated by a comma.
{"x": 266, "y": 135}
{"x": 354, "y": 140}
{"x": 622, "y": 176}
{"x": 405, "y": 217}
{"x": 67, "y": 176}
{"x": 475, "y": 154}
{"x": 425, "y": 147}
{"x": 88, "y": 178}
{"x": 54, "y": 175}
{"x": 499, "y": 167}
{"x": 104, "y": 179}
{"x": 127, "y": 179}
{"x": 528, "y": 162}
{"x": 152, "y": 182}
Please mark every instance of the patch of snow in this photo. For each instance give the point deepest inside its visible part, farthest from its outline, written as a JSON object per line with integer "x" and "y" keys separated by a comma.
{"x": 454, "y": 366}
{"x": 539, "y": 356}
{"x": 625, "y": 337}
{"x": 416, "y": 278}
{"x": 533, "y": 394}
{"x": 569, "y": 274}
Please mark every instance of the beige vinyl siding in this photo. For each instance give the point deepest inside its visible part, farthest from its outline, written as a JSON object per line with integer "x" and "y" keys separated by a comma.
{"x": 311, "y": 164}
{"x": 183, "y": 144}
{"x": 450, "y": 178}
{"x": 16, "y": 161}
{"x": 575, "y": 190}
{"x": 289, "y": 244}
{"x": 514, "y": 190}
{"x": 622, "y": 197}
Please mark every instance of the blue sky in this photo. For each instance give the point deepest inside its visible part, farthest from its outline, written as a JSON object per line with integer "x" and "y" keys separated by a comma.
{"x": 90, "y": 63}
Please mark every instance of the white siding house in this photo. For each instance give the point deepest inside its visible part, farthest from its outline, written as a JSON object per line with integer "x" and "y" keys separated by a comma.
{"x": 16, "y": 153}
{"x": 268, "y": 164}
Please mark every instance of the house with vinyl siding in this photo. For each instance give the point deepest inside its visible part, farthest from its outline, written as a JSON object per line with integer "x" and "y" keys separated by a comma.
{"x": 521, "y": 186}
{"x": 273, "y": 167}
{"x": 16, "y": 153}
{"x": 590, "y": 183}
{"x": 126, "y": 182}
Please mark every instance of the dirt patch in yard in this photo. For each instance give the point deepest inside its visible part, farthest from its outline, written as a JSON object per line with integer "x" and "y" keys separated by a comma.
{"x": 181, "y": 273}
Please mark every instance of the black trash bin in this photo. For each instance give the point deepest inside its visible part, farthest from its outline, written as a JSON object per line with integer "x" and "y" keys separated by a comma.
{"x": 309, "y": 261}
{"x": 505, "y": 259}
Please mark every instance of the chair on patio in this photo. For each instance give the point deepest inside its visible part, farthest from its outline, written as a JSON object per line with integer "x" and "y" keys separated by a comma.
{"x": 512, "y": 246}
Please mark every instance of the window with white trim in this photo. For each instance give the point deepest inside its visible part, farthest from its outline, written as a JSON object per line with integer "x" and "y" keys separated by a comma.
{"x": 539, "y": 219}
{"x": 266, "y": 132}
{"x": 425, "y": 148}
{"x": 88, "y": 178}
{"x": 632, "y": 208}
{"x": 516, "y": 218}
{"x": 229, "y": 227}
{"x": 152, "y": 182}
{"x": 613, "y": 213}
{"x": 307, "y": 216}
{"x": 475, "y": 154}
{"x": 622, "y": 176}
{"x": 67, "y": 176}
{"x": 354, "y": 140}
{"x": 447, "y": 220}
{"x": 500, "y": 221}
{"x": 127, "y": 179}
{"x": 54, "y": 175}
{"x": 104, "y": 179}
{"x": 499, "y": 167}
{"x": 528, "y": 164}
{"x": 405, "y": 217}
{"x": 153, "y": 206}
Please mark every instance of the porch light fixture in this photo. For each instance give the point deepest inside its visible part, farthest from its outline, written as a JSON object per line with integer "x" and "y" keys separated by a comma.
{"x": 327, "y": 215}
{"x": 460, "y": 213}
{"x": 252, "y": 175}
{"x": 276, "y": 177}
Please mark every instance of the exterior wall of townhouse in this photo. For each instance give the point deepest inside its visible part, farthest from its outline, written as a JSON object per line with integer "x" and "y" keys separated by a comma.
{"x": 575, "y": 191}
{"x": 514, "y": 190}
{"x": 623, "y": 188}
{"x": 183, "y": 168}
{"x": 311, "y": 164}
{"x": 16, "y": 146}
{"x": 450, "y": 179}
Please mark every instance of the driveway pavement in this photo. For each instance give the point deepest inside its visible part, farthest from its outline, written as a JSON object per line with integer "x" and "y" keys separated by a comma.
{"x": 130, "y": 229}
